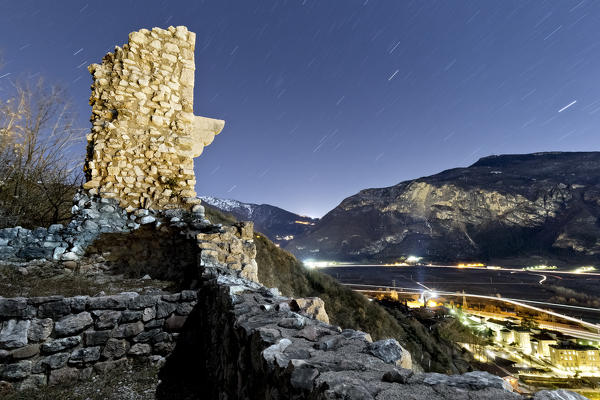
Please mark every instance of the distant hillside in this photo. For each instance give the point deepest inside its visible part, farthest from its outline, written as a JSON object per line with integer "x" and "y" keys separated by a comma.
{"x": 276, "y": 223}
{"x": 506, "y": 209}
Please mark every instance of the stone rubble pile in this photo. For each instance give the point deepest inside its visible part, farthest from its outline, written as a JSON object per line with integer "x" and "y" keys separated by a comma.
{"x": 92, "y": 216}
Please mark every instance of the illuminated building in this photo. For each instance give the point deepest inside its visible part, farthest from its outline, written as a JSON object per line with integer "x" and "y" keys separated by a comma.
{"x": 574, "y": 357}
{"x": 523, "y": 339}
{"x": 540, "y": 344}
{"x": 505, "y": 336}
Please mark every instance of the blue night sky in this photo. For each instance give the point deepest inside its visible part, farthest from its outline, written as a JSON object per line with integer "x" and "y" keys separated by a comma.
{"x": 323, "y": 98}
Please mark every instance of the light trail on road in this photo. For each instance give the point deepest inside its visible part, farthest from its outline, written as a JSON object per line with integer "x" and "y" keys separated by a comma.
{"x": 461, "y": 268}
{"x": 516, "y": 302}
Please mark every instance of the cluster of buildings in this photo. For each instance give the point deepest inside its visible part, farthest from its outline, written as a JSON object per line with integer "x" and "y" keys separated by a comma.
{"x": 563, "y": 352}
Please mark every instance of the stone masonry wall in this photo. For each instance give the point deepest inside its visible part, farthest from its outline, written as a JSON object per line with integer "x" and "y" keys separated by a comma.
{"x": 54, "y": 340}
{"x": 144, "y": 135}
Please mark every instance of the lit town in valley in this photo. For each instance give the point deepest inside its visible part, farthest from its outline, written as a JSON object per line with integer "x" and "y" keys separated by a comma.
{"x": 514, "y": 332}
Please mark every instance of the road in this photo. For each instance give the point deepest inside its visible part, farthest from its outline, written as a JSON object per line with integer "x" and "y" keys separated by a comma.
{"x": 532, "y": 288}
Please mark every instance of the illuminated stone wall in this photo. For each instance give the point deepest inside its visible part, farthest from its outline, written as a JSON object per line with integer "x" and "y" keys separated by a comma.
{"x": 144, "y": 135}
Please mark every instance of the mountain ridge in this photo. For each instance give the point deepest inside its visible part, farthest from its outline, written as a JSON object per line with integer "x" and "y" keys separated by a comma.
{"x": 540, "y": 205}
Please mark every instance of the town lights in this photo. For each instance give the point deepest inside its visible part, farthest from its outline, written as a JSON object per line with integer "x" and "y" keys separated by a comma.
{"x": 413, "y": 259}
{"x": 311, "y": 264}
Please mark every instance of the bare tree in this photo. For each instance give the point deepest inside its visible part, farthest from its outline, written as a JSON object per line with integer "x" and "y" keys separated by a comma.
{"x": 38, "y": 171}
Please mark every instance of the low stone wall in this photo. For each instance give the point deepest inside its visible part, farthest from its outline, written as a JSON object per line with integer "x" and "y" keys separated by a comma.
{"x": 53, "y": 340}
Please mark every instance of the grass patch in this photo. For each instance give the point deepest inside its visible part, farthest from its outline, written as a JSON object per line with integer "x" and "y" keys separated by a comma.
{"x": 52, "y": 279}
{"x": 135, "y": 382}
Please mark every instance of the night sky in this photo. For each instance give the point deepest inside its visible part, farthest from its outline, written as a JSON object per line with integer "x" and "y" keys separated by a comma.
{"x": 324, "y": 98}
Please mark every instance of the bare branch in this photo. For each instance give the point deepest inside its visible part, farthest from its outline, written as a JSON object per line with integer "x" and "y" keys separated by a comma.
{"x": 37, "y": 132}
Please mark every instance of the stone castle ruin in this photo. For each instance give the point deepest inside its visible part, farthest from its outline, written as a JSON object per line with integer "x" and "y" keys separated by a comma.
{"x": 144, "y": 135}
{"x": 139, "y": 208}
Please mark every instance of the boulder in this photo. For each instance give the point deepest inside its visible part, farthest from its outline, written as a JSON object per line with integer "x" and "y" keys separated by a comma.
{"x": 312, "y": 307}
{"x": 390, "y": 351}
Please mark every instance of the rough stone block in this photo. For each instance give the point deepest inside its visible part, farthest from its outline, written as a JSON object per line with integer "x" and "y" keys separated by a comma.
{"x": 26, "y": 352}
{"x": 13, "y": 333}
{"x": 55, "y": 361}
{"x": 115, "y": 348}
{"x": 127, "y": 330}
{"x": 140, "y": 349}
{"x": 18, "y": 370}
{"x": 54, "y": 309}
{"x": 32, "y": 382}
{"x": 94, "y": 338}
{"x": 116, "y": 302}
{"x": 63, "y": 376}
{"x": 72, "y": 324}
{"x": 15, "y": 307}
{"x": 61, "y": 344}
{"x": 106, "y": 319}
{"x": 131, "y": 316}
{"x": 164, "y": 309}
{"x": 84, "y": 355}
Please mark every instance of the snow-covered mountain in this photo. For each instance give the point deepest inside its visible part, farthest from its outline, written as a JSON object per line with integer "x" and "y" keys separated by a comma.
{"x": 278, "y": 224}
{"x": 229, "y": 205}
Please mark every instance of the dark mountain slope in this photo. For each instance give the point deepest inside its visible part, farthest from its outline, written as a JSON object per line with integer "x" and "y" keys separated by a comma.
{"x": 500, "y": 209}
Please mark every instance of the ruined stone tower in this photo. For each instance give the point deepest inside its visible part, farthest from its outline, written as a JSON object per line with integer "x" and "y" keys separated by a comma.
{"x": 144, "y": 135}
